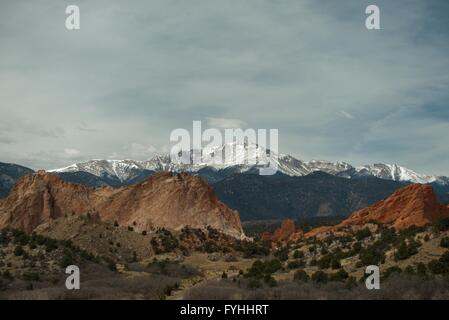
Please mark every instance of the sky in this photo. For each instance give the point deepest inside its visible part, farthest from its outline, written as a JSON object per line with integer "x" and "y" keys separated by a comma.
{"x": 137, "y": 70}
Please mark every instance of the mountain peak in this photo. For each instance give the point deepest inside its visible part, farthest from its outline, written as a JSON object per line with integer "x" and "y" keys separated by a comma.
{"x": 245, "y": 158}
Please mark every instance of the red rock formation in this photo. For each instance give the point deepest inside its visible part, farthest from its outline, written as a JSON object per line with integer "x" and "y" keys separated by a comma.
{"x": 287, "y": 231}
{"x": 412, "y": 205}
{"x": 163, "y": 200}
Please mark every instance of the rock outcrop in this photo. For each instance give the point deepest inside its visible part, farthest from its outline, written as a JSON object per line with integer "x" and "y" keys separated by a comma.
{"x": 287, "y": 231}
{"x": 415, "y": 204}
{"x": 163, "y": 200}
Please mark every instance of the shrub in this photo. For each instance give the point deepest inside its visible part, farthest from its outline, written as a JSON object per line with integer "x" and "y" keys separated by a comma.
{"x": 110, "y": 264}
{"x": 295, "y": 264}
{"x": 51, "y": 244}
{"x": 320, "y": 277}
{"x": 356, "y": 247}
{"x": 168, "y": 290}
{"x": 409, "y": 270}
{"x": 272, "y": 266}
{"x": 444, "y": 242}
{"x": 340, "y": 275}
{"x": 253, "y": 249}
{"x": 335, "y": 264}
{"x": 440, "y": 266}
{"x": 374, "y": 254}
{"x": 282, "y": 254}
{"x": 210, "y": 246}
{"x": 324, "y": 262}
{"x": 351, "y": 282}
{"x": 261, "y": 269}
{"x": 18, "y": 251}
{"x": 391, "y": 270}
{"x": 421, "y": 269}
{"x": 388, "y": 235}
{"x": 21, "y": 238}
{"x": 298, "y": 254}
{"x": 362, "y": 234}
{"x": 411, "y": 231}
{"x": 404, "y": 251}
{"x": 301, "y": 275}
{"x": 254, "y": 284}
{"x": 66, "y": 260}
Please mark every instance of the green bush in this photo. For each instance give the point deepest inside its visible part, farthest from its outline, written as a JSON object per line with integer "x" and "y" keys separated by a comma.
{"x": 351, "y": 282}
{"x": 340, "y": 275}
{"x": 295, "y": 264}
{"x": 301, "y": 275}
{"x": 356, "y": 248}
{"x": 421, "y": 269}
{"x": 282, "y": 254}
{"x": 440, "y": 266}
{"x": 253, "y": 249}
{"x": 444, "y": 242}
{"x": 320, "y": 277}
{"x": 335, "y": 264}
{"x": 374, "y": 254}
{"x": 388, "y": 235}
{"x": 18, "y": 251}
{"x": 325, "y": 262}
{"x": 362, "y": 234}
{"x": 409, "y": 270}
{"x": 261, "y": 269}
{"x": 391, "y": 270}
{"x": 404, "y": 250}
{"x": 298, "y": 254}
{"x": 210, "y": 246}
{"x": 67, "y": 260}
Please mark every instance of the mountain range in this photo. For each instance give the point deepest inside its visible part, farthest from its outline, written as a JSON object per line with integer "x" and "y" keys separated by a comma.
{"x": 299, "y": 189}
{"x": 128, "y": 171}
{"x": 9, "y": 174}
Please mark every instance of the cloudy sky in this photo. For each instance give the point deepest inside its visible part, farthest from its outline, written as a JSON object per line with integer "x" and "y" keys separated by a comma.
{"x": 133, "y": 73}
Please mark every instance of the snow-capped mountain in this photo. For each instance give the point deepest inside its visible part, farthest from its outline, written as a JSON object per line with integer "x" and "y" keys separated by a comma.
{"x": 244, "y": 158}
{"x": 122, "y": 170}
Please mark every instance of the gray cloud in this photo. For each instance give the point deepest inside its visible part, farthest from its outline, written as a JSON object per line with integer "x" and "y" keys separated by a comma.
{"x": 134, "y": 72}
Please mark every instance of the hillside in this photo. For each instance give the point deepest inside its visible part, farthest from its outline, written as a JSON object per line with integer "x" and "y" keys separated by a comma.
{"x": 163, "y": 200}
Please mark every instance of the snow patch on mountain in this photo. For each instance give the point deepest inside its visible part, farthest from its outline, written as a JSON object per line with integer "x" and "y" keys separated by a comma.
{"x": 244, "y": 157}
